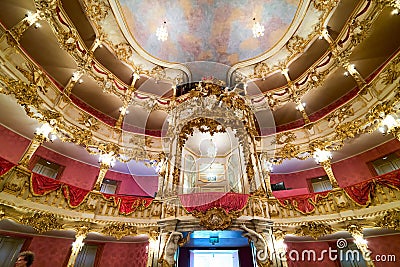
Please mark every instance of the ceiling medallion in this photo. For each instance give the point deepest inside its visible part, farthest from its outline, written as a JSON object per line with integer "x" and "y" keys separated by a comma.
{"x": 216, "y": 218}
{"x": 258, "y": 29}
{"x": 162, "y": 32}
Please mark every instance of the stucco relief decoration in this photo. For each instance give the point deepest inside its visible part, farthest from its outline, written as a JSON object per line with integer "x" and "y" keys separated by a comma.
{"x": 216, "y": 218}
{"x": 97, "y": 10}
{"x": 119, "y": 230}
{"x": 41, "y": 222}
{"x": 314, "y": 229}
{"x": 391, "y": 220}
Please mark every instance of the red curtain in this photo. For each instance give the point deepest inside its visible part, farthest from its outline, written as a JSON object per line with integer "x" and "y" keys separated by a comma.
{"x": 128, "y": 204}
{"x": 362, "y": 192}
{"x": 74, "y": 195}
{"x": 41, "y": 185}
{"x": 205, "y": 201}
{"x": 303, "y": 203}
{"x": 5, "y": 166}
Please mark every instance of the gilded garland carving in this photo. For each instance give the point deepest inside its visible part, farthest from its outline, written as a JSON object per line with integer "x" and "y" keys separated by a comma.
{"x": 323, "y": 5}
{"x": 41, "y": 222}
{"x": 284, "y": 138}
{"x": 391, "y": 220}
{"x": 392, "y": 72}
{"x": 314, "y": 229}
{"x": 88, "y": 121}
{"x": 216, "y": 218}
{"x": 296, "y": 44}
{"x": 204, "y": 125}
{"x": 261, "y": 70}
{"x": 26, "y": 94}
{"x": 96, "y": 10}
{"x": 119, "y": 230}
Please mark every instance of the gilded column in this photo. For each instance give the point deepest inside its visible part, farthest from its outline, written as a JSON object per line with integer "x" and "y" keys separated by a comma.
{"x": 323, "y": 157}
{"x": 35, "y": 143}
{"x": 357, "y": 233}
{"x": 280, "y": 247}
{"x": 102, "y": 173}
{"x": 107, "y": 161}
{"x": 42, "y": 134}
{"x": 77, "y": 245}
{"x": 328, "y": 169}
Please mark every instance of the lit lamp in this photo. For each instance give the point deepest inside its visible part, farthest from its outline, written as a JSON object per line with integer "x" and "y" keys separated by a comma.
{"x": 107, "y": 161}
{"x": 43, "y": 134}
{"x": 323, "y": 158}
{"x": 258, "y": 29}
{"x": 361, "y": 243}
{"x": 77, "y": 245}
{"x": 162, "y": 32}
{"x": 390, "y": 124}
{"x": 267, "y": 169}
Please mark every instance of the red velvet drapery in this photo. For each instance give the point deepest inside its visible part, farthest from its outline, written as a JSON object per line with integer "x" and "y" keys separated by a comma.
{"x": 128, "y": 204}
{"x": 204, "y": 201}
{"x": 5, "y": 166}
{"x": 362, "y": 192}
{"x": 41, "y": 185}
{"x": 303, "y": 203}
{"x": 75, "y": 196}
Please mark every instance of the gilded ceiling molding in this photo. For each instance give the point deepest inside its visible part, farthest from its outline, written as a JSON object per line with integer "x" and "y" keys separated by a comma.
{"x": 357, "y": 29}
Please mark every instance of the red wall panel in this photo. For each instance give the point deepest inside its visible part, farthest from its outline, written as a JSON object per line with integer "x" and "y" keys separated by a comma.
{"x": 382, "y": 247}
{"x": 50, "y": 252}
{"x": 124, "y": 254}
{"x": 12, "y": 145}
{"x": 303, "y": 260}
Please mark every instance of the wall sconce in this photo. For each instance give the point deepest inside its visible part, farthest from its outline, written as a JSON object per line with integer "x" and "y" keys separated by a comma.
{"x": 162, "y": 32}
{"x": 322, "y": 155}
{"x": 258, "y": 29}
{"x": 389, "y": 123}
{"x": 123, "y": 110}
{"x": 107, "y": 159}
{"x": 47, "y": 131}
{"x": 268, "y": 166}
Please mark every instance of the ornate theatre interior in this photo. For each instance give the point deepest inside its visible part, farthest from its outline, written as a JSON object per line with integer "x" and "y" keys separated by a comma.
{"x": 188, "y": 133}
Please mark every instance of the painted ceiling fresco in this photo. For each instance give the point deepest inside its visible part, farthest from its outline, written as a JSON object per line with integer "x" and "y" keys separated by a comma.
{"x": 208, "y": 30}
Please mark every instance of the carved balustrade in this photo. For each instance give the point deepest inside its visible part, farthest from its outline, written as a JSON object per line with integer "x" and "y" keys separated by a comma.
{"x": 335, "y": 204}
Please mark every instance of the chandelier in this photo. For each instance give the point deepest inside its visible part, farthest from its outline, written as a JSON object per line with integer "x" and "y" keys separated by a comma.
{"x": 162, "y": 32}
{"x": 258, "y": 29}
{"x": 211, "y": 149}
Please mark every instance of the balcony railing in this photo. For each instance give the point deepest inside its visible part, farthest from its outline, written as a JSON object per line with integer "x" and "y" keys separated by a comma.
{"x": 378, "y": 194}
